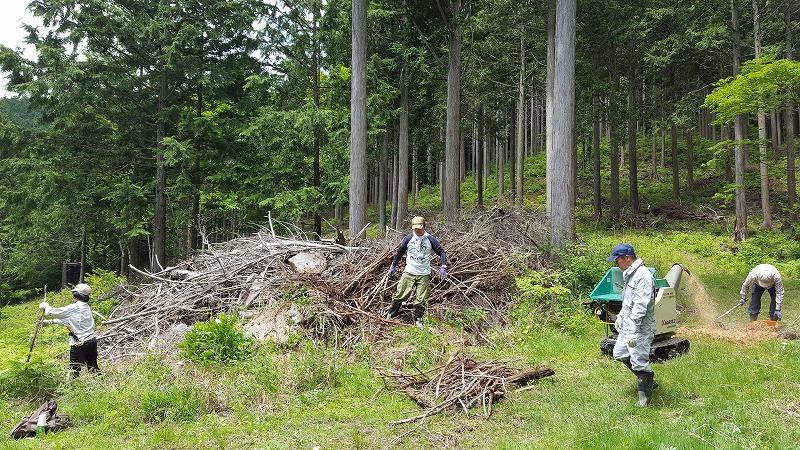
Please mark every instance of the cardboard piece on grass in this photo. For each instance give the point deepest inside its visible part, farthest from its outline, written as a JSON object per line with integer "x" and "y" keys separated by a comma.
{"x": 55, "y": 421}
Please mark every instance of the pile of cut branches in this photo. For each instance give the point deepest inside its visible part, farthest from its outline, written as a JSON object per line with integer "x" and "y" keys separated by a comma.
{"x": 462, "y": 384}
{"x": 256, "y": 272}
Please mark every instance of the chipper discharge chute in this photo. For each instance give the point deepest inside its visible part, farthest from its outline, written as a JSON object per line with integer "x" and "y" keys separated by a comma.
{"x": 607, "y": 302}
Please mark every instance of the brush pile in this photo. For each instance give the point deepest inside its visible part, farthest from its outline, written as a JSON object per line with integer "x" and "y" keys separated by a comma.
{"x": 461, "y": 384}
{"x": 325, "y": 287}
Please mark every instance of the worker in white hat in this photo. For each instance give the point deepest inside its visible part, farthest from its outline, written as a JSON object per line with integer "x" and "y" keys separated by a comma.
{"x": 419, "y": 247}
{"x": 78, "y": 319}
{"x": 763, "y": 277}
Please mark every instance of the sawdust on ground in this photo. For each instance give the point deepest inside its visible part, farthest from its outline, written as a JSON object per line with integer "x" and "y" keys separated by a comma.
{"x": 749, "y": 334}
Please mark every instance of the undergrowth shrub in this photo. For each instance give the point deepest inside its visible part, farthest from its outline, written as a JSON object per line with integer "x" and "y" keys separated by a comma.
{"x": 36, "y": 380}
{"x": 543, "y": 299}
{"x": 424, "y": 347}
{"x": 174, "y": 403}
{"x": 316, "y": 367}
{"x": 256, "y": 376}
{"x": 220, "y": 340}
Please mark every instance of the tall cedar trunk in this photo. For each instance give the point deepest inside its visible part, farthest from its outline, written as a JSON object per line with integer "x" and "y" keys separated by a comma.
{"x": 382, "y": 179}
{"x": 633, "y": 173}
{"x": 689, "y": 160}
{"x": 775, "y": 131}
{"x": 430, "y": 171}
{"x": 315, "y": 60}
{"x": 597, "y": 201}
{"x": 452, "y": 194}
{"x": 395, "y": 186}
{"x": 791, "y": 183}
{"x": 487, "y": 148}
{"x": 534, "y": 124}
{"x": 676, "y": 168}
{"x": 614, "y": 213}
{"x": 713, "y": 130}
{"x": 159, "y": 257}
{"x": 551, "y": 62}
{"x": 441, "y": 166}
{"x": 788, "y": 119}
{"x": 462, "y": 157}
{"x": 500, "y": 170}
{"x": 520, "y": 160}
{"x": 511, "y": 153}
{"x": 83, "y": 254}
{"x": 653, "y": 158}
{"x": 762, "y": 133}
{"x": 480, "y": 141}
{"x": 740, "y": 134}
{"x": 563, "y": 196}
{"x": 358, "y": 120}
{"x": 414, "y": 178}
{"x": 194, "y": 220}
{"x": 473, "y": 153}
{"x": 402, "y": 172}
{"x": 727, "y": 134}
{"x": 663, "y": 145}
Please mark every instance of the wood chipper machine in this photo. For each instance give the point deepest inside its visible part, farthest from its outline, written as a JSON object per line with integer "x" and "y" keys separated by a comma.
{"x": 606, "y": 302}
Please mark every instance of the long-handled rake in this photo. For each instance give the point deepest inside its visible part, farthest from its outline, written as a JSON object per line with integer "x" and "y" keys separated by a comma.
{"x": 36, "y": 329}
{"x": 718, "y": 322}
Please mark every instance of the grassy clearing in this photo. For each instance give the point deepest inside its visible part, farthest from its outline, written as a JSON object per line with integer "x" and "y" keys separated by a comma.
{"x": 718, "y": 395}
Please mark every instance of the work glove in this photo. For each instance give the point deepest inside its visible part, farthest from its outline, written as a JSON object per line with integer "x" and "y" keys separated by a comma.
{"x": 777, "y": 315}
{"x": 631, "y": 343}
{"x": 618, "y": 323}
{"x": 47, "y": 322}
{"x": 44, "y": 305}
{"x": 442, "y": 271}
{"x": 392, "y": 270}
{"x": 741, "y": 300}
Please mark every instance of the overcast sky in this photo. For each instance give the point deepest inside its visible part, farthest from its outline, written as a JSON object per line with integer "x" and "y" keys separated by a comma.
{"x": 13, "y": 14}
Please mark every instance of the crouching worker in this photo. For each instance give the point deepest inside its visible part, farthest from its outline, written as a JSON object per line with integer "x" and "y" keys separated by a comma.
{"x": 636, "y": 321}
{"x": 78, "y": 319}
{"x": 416, "y": 277}
{"x": 763, "y": 277}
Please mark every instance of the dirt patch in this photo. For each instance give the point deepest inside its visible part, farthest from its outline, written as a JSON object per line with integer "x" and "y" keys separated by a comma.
{"x": 752, "y": 333}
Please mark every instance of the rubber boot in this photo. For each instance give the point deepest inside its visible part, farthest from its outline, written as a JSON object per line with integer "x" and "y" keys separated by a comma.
{"x": 644, "y": 388}
{"x": 419, "y": 311}
{"x": 753, "y": 317}
{"x": 393, "y": 310}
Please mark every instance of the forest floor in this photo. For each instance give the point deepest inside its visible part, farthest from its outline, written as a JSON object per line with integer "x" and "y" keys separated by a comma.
{"x": 721, "y": 394}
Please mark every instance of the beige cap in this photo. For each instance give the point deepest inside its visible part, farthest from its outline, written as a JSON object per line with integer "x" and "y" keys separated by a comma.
{"x": 82, "y": 288}
{"x": 417, "y": 223}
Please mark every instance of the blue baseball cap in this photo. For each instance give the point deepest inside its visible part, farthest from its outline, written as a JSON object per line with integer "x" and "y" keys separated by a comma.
{"x": 621, "y": 250}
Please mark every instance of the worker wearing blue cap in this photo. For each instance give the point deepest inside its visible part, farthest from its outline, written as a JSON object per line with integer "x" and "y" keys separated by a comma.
{"x": 636, "y": 321}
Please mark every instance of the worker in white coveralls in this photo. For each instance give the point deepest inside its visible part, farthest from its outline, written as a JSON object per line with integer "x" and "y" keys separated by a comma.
{"x": 416, "y": 278}
{"x": 763, "y": 277}
{"x": 78, "y": 319}
{"x": 636, "y": 321}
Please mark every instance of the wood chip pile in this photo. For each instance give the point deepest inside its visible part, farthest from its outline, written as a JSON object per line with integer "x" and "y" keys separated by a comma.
{"x": 343, "y": 300}
{"x": 461, "y": 384}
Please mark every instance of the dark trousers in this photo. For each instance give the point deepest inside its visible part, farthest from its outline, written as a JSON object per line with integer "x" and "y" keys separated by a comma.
{"x": 83, "y": 355}
{"x": 755, "y": 301}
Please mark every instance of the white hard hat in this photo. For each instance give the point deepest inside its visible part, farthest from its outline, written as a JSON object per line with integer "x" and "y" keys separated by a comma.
{"x": 82, "y": 288}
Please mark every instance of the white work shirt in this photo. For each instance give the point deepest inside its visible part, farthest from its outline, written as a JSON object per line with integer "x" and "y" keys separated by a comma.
{"x": 766, "y": 276}
{"x": 77, "y": 317}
